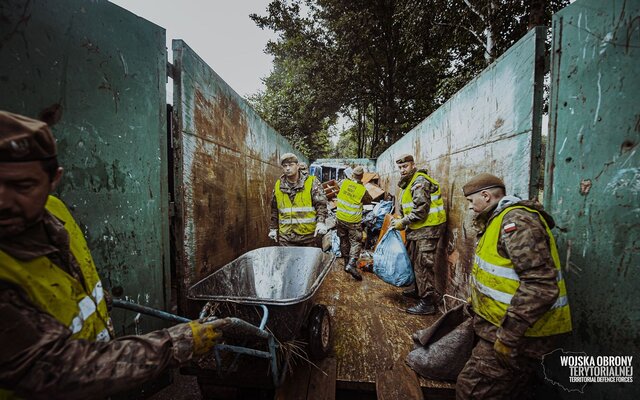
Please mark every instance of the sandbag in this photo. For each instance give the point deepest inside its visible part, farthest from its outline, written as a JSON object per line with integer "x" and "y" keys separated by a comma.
{"x": 391, "y": 262}
{"x": 441, "y": 350}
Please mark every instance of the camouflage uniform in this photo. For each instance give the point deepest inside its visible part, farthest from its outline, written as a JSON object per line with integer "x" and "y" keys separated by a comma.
{"x": 484, "y": 376}
{"x": 422, "y": 243}
{"x": 350, "y": 234}
{"x": 319, "y": 202}
{"x": 38, "y": 358}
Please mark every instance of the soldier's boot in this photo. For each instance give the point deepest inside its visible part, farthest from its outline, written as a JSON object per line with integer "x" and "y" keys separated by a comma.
{"x": 353, "y": 270}
{"x": 411, "y": 293}
{"x": 423, "y": 307}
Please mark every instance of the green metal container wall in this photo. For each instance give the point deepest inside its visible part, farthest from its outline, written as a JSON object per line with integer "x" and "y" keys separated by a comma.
{"x": 227, "y": 162}
{"x": 593, "y": 171}
{"x": 491, "y": 125}
{"x": 106, "y": 68}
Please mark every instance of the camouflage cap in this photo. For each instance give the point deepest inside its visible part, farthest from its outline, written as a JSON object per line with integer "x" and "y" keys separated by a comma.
{"x": 358, "y": 171}
{"x": 288, "y": 157}
{"x": 404, "y": 158}
{"x": 481, "y": 182}
{"x": 24, "y": 139}
{"x": 302, "y": 166}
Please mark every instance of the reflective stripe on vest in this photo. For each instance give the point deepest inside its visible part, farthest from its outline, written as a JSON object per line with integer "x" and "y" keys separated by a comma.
{"x": 350, "y": 201}
{"x": 494, "y": 282}
{"x": 298, "y": 217}
{"x": 83, "y": 310}
{"x": 436, "y": 214}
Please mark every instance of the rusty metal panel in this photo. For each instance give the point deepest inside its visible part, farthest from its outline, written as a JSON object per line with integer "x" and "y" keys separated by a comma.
{"x": 226, "y": 163}
{"x": 594, "y": 174}
{"x": 106, "y": 68}
{"x": 491, "y": 125}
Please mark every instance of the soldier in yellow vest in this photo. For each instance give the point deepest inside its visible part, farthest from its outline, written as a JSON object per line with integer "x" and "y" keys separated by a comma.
{"x": 351, "y": 197}
{"x": 425, "y": 219}
{"x": 298, "y": 207}
{"x": 518, "y": 293}
{"x": 56, "y": 339}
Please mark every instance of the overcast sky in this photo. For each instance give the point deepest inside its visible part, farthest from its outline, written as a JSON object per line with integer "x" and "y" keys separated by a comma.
{"x": 220, "y": 31}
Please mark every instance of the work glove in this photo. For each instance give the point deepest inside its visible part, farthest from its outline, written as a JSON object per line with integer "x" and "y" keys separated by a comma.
{"x": 504, "y": 353}
{"x": 321, "y": 229}
{"x": 397, "y": 224}
{"x": 206, "y": 334}
{"x": 273, "y": 234}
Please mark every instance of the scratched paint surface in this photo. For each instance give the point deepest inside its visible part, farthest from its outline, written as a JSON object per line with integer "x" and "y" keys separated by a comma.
{"x": 594, "y": 169}
{"x": 226, "y": 166}
{"x": 491, "y": 125}
{"x": 106, "y": 68}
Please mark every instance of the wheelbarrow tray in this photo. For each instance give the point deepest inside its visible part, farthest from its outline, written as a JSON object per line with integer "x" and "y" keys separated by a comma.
{"x": 285, "y": 279}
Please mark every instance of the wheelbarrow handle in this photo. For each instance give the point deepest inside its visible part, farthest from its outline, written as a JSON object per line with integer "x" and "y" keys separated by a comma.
{"x": 149, "y": 311}
{"x": 240, "y": 325}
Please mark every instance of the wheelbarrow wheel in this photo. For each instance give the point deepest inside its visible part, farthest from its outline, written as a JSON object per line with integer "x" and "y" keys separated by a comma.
{"x": 319, "y": 332}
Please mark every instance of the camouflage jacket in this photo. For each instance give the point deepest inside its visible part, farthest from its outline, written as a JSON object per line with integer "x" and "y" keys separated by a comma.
{"x": 421, "y": 194}
{"x": 40, "y": 360}
{"x": 318, "y": 200}
{"x": 528, "y": 249}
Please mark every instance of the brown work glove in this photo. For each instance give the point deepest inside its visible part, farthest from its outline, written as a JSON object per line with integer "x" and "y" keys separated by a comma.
{"x": 398, "y": 224}
{"x": 206, "y": 335}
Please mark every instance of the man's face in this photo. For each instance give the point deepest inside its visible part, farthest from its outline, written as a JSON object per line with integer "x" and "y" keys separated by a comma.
{"x": 24, "y": 188}
{"x": 406, "y": 168}
{"x": 290, "y": 169}
{"x": 479, "y": 201}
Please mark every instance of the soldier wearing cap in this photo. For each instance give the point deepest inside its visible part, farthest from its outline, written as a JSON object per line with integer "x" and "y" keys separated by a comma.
{"x": 298, "y": 207}
{"x": 57, "y": 339}
{"x": 518, "y": 293}
{"x": 424, "y": 218}
{"x": 351, "y": 197}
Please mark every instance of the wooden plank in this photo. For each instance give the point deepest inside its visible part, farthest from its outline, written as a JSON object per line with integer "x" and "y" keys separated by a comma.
{"x": 370, "y": 327}
{"x": 322, "y": 383}
{"x": 400, "y": 382}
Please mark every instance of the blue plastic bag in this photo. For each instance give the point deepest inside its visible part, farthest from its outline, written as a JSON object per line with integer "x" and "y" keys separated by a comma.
{"x": 375, "y": 218}
{"x": 335, "y": 243}
{"x": 391, "y": 262}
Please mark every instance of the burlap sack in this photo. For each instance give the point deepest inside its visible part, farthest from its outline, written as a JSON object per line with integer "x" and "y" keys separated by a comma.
{"x": 441, "y": 350}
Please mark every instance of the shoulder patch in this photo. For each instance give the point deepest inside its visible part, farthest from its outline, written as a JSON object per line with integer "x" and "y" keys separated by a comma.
{"x": 510, "y": 228}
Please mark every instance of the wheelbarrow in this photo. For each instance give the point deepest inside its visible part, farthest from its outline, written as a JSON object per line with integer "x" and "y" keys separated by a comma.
{"x": 279, "y": 282}
{"x": 273, "y": 289}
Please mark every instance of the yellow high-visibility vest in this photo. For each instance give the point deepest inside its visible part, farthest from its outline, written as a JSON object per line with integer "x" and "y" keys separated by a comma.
{"x": 350, "y": 201}
{"x": 49, "y": 287}
{"x": 494, "y": 282}
{"x": 298, "y": 217}
{"x": 436, "y": 214}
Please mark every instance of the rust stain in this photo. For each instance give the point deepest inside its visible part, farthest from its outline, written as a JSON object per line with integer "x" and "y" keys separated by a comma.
{"x": 221, "y": 120}
{"x": 219, "y": 183}
{"x": 585, "y": 186}
{"x": 499, "y": 122}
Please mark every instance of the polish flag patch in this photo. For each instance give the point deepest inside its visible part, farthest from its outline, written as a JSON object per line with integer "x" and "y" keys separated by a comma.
{"x": 510, "y": 227}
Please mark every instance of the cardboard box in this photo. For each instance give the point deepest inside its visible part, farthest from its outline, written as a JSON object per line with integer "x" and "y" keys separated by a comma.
{"x": 374, "y": 190}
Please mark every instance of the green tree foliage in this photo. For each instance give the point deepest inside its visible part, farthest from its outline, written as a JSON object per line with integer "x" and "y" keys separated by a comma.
{"x": 385, "y": 64}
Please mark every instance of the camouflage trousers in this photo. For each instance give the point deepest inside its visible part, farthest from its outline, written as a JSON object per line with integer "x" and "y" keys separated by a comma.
{"x": 350, "y": 239}
{"x": 302, "y": 241}
{"x": 422, "y": 253}
{"x": 484, "y": 377}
